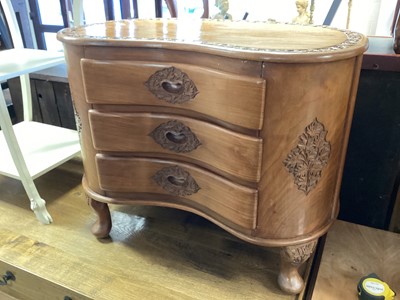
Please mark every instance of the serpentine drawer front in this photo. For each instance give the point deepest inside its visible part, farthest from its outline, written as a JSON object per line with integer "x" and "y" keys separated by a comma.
{"x": 223, "y": 149}
{"x": 182, "y": 86}
{"x": 245, "y": 124}
{"x": 206, "y": 190}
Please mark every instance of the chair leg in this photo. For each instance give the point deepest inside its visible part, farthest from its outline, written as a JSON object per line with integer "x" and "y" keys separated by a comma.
{"x": 26, "y": 96}
{"x": 38, "y": 205}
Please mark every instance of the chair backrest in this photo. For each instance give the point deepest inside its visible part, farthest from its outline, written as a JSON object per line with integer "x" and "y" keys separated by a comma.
{"x": 77, "y": 12}
{"x": 12, "y": 23}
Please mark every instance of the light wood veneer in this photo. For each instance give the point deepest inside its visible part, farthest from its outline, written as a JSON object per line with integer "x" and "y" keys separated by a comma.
{"x": 152, "y": 252}
{"x": 243, "y": 123}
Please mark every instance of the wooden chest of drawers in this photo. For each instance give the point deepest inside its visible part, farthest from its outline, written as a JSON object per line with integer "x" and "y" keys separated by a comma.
{"x": 245, "y": 124}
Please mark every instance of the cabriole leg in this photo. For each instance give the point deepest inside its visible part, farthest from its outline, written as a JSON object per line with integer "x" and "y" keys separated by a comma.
{"x": 292, "y": 257}
{"x": 101, "y": 228}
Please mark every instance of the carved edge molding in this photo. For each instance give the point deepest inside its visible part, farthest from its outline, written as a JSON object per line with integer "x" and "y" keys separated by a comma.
{"x": 175, "y": 136}
{"x": 298, "y": 254}
{"x": 176, "y": 181}
{"x": 172, "y": 85}
{"x": 352, "y": 38}
{"x": 78, "y": 122}
{"x": 307, "y": 160}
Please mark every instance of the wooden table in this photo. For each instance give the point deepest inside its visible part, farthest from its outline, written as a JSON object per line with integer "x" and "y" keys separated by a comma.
{"x": 245, "y": 124}
{"x": 352, "y": 251}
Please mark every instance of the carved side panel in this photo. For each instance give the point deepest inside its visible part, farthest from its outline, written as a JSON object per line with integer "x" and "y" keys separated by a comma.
{"x": 78, "y": 122}
{"x": 175, "y": 136}
{"x": 176, "y": 181}
{"x": 308, "y": 159}
{"x": 172, "y": 85}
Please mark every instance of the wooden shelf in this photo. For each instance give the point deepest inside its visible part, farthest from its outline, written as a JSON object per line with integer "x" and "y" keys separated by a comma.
{"x": 29, "y": 60}
{"x": 43, "y": 146}
{"x": 380, "y": 55}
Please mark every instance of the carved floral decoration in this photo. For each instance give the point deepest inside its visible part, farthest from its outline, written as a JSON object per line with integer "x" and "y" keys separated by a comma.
{"x": 176, "y": 181}
{"x": 172, "y": 85}
{"x": 298, "y": 254}
{"x": 91, "y": 32}
{"x": 175, "y": 136}
{"x": 308, "y": 159}
{"x": 78, "y": 122}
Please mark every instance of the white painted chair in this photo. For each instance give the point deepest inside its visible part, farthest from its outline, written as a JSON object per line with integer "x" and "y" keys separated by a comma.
{"x": 30, "y": 149}
{"x": 77, "y": 13}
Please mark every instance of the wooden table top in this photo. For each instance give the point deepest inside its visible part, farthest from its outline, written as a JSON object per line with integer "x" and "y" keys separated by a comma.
{"x": 352, "y": 251}
{"x": 253, "y": 40}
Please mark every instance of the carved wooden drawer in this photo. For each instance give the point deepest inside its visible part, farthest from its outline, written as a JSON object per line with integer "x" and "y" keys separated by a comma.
{"x": 161, "y": 177}
{"x": 208, "y": 145}
{"x": 198, "y": 89}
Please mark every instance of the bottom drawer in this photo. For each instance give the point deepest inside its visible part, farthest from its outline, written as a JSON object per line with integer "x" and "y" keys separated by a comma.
{"x": 233, "y": 202}
{"x": 28, "y": 286}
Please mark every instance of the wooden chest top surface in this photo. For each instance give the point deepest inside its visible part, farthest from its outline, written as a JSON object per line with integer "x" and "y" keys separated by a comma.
{"x": 242, "y": 39}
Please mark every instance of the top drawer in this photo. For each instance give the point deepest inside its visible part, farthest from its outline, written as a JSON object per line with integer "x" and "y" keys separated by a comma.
{"x": 232, "y": 98}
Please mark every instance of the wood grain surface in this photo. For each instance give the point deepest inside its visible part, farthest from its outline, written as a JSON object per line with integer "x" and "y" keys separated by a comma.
{"x": 152, "y": 253}
{"x": 4, "y": 296}
{"x": 291, "y": 86}
{"x": 216, "y": 89}
{"x": 248, "y": 40}
{"x": 324, "y": 93}
{"x": 352, "y": 251}
{"x": 225, "y": 150}
{"x": 136, "y": 175}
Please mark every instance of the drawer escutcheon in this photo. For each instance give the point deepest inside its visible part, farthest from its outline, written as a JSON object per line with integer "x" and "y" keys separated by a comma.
{"x": 176, "y": 181}
{"x": 175, "y": 136}
{"x": 172, "y": 85}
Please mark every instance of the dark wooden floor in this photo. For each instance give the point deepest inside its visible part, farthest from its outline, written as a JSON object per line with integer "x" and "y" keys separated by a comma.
{"x": 153, "y": 253}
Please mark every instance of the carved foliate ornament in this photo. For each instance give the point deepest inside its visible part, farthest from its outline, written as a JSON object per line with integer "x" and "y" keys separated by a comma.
{"x": 78, "y": 122}
{"x": 308, "y": 159}
{"x": 172, "y": 85}
{"x": 176, "y": 181}
{"x": 175, "y": 136}
{"x": 352, "y": 38}
{"x": 298, "y": 254}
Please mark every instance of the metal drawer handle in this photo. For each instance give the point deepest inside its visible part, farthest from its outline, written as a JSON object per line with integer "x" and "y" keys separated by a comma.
{"x": 7, "y": 277}
{"x": 175, "y": 136}
{"x": 172, "y": 85}
{"x": 176, "y": 181}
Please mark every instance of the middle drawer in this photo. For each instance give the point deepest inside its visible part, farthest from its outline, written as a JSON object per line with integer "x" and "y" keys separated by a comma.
{"x": 236, "y": 154}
